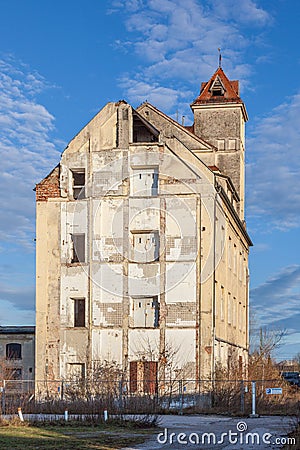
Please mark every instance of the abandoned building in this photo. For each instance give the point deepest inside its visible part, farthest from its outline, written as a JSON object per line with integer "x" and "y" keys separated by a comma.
{"x": 142, "y": 248}
{"x": 17, "y": 347}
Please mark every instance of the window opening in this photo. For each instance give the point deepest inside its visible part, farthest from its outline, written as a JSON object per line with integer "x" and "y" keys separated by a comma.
{"x": 78, "y": 248}
{"x": 79, "y": 312}
{"x": 13, "y": 351}
{"x": 78, "y": 184}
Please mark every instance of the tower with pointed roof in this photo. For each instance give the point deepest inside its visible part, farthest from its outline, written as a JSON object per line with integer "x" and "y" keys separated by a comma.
{"x": 219, "y": 118}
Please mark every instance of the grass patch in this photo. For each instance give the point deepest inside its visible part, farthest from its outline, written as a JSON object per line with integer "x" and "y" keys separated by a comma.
{"x": 75, "y": 436}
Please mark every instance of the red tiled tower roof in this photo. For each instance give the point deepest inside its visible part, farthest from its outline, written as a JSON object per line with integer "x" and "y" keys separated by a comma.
{"x": 218, "y": 90}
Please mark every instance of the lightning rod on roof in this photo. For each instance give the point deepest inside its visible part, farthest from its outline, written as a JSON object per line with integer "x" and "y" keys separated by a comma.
{"x": 220, "y": 57}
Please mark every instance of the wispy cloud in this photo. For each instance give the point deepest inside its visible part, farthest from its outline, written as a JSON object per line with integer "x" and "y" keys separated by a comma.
{"x": 178, "y": 40}
{"x": 277, "y": 301}
{"x": 176, "y": 43}
{"x": 273, "y": 172}
{"x": 26, "y": 148}
{"x": 12, "y": 314}
{"x": 20, "y": 296}
{"x": 162, "y": 97}
{"x": 247, "y": 12}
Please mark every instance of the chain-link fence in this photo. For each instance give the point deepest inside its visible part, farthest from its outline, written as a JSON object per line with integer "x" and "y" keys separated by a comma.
{"x": 150, "y": 396}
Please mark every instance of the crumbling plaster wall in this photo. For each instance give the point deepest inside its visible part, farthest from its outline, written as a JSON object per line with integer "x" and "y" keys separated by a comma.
{"x": 47, "y": 289}
{"x": 189, "y": 309}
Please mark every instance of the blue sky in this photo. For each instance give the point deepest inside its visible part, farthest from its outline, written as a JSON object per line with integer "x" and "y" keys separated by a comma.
{"x": 60, "y": 62}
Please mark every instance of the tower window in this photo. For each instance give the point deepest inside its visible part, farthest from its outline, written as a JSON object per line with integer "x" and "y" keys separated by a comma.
{"x": 217, "y": 92}
{"x": 217, "y": 89}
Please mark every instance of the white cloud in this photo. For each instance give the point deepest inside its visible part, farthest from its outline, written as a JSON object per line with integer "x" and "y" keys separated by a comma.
{"x": 26, "y": 148}
{"x": 161, "y": 97}
{"x": 246, "y": 12}
{"x": 178, "y": 40}
{"x": 273, "y": 174}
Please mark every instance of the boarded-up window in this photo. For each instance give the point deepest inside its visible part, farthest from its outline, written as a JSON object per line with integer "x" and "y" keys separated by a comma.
{"x": 133, "y": 376}
{"x": 145, "y": 312}
{"x": 221, "y": 144}
{"x": 79, "y": 312}
{"x": 76, "y": 371}
{"x": 78, "y": 250}
{"x": 232, "y": 144}
{"x": 144, "y": 182}
{"x": 150, "y": 377}
{"x": 143, "y": 377}
{"x": 78, "y": 184}
{"x": 145, "y": 246}
{"x": 13, "y": 351}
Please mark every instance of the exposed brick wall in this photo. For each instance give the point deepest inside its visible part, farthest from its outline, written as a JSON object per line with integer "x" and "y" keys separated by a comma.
{"x": 48, "y": 187}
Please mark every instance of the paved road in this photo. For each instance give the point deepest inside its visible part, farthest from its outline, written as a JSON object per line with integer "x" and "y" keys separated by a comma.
{"x": 266, "y": 432}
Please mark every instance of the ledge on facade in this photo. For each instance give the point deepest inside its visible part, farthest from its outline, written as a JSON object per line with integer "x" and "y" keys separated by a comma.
{"x": 17, "y": 330}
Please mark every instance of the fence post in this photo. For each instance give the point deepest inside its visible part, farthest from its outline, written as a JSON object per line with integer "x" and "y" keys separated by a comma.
{"x": 181, "y": 397}
{"x": 3, "y": 401}
{"x": 121, "y": 395}
{"x": 242, "y": 397}
{"x": 62, "y": 390}
{"x": 253, "y": 414}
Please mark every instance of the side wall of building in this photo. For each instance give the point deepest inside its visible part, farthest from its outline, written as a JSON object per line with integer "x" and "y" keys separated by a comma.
{"x": 17, "y": 363}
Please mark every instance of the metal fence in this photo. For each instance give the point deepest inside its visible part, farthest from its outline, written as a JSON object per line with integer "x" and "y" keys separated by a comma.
{"x": 150, "y": 396}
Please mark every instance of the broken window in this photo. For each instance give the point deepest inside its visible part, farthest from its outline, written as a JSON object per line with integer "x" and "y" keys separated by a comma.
{"x": 13, "y": 374}
{"x": 144, "y": 182}
{"x": 78, "y": 248}
{"x": 78, "y": 184}
{"x": 13, "y": 351}
{"x": 145, "y": 246}
{"x": 143, "y": 131}
{"x": 143, "y": 376}
{"x": 145, "y": 312}
{"x": 79, "y": 312}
